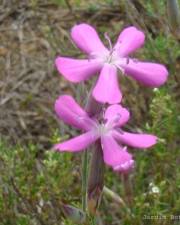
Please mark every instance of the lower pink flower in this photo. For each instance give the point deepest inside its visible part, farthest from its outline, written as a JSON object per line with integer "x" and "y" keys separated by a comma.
{"x": 113, "y": 138}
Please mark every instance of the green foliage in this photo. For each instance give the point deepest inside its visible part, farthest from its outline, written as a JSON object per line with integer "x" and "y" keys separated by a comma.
{"x": 156, "y": 179}
{"x": 162, "y": 47}
{"x": 28, "y": 183}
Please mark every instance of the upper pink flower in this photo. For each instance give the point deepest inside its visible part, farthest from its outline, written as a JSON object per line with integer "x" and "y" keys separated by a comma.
{"x": 108, "y": 131}
{"x": 107, "y": 61}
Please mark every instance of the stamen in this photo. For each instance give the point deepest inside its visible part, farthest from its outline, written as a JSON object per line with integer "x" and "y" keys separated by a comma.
{"x": 120, "y": 68}
{"x": 109, "y": 41}
{"x": 114, "y": 121}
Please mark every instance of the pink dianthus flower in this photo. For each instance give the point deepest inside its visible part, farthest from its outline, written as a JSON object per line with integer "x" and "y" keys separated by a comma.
{"x": 113, "y": 139}
{"x": 107, "y": 61}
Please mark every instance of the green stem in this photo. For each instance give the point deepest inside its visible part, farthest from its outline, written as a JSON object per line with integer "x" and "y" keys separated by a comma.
{"x": 128, "y": 190}
{"x": 93, "y": 220}
{"x": 84, "y": 180}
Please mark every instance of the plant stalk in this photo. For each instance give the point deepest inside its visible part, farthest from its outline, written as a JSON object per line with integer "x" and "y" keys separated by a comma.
{"x": 84, "y": 179}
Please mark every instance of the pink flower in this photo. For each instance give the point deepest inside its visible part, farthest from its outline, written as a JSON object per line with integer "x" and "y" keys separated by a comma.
{"x": 108, "y": 61}
{"x": 108, "y": 132}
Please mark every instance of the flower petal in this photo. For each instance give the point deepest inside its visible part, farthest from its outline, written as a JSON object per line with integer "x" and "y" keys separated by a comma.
{"x": 129, "y": 40}
{"x": 107, "y": 88}
{"x": 125, "y": 167}
{"x": 135, "y": 140}
{"x": 71, "y": 113}
{"x": 114, "y": 155}
{"x": 150, "y": 74}
{"x": 78, "y": 143}
{"x": 87, "y": 39}
{"x": 76, "y": 70}
{"x": 119, "y": 112}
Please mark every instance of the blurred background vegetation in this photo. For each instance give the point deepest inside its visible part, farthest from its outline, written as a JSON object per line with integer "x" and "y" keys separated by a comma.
{"x": 34, "y": 181}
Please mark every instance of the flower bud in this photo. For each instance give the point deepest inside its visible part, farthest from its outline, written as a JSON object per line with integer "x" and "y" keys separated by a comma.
{"x": 174, "y": 17}
{"x": 96, "y": 179}
{"x": 74, "y": 214}
{"x": 93, "y": 107}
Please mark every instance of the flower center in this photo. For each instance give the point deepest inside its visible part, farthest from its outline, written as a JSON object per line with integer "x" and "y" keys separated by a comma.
{"x": 111, "y": 56}
{"x": 103, "y": 129}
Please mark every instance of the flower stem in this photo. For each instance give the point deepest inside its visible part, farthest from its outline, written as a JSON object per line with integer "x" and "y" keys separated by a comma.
{"x": 93, "y": 221}
{"x": 84, "y": 180}
{"x": 93, "y": 108}
{"x": 128, "y": 190}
